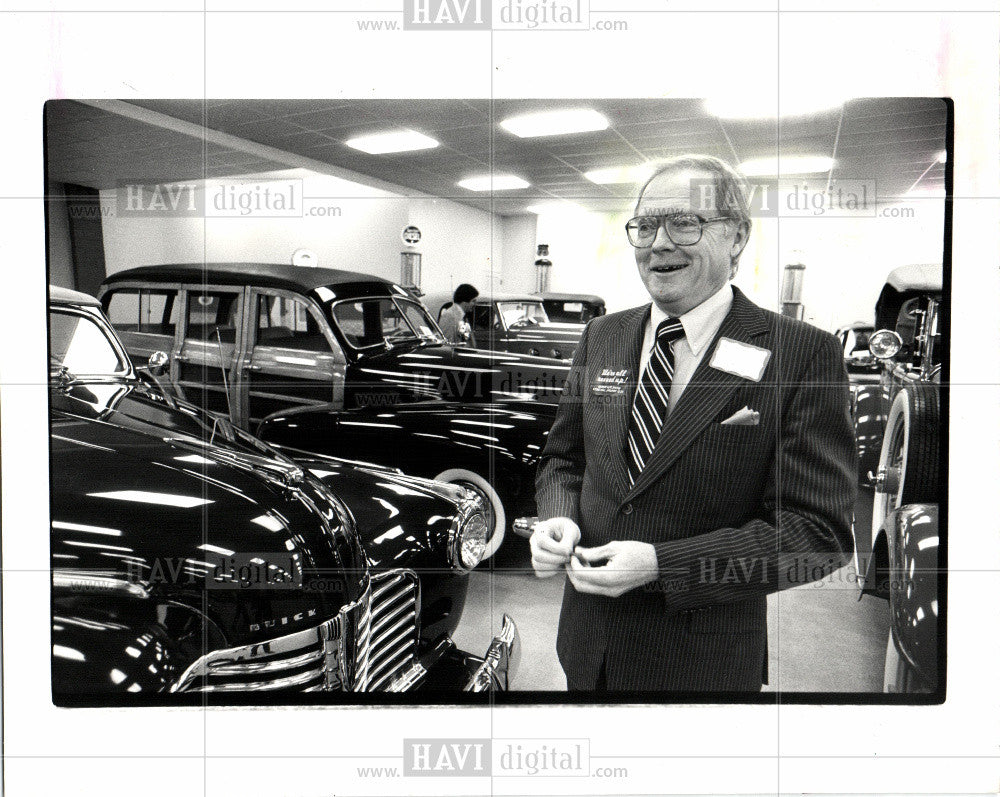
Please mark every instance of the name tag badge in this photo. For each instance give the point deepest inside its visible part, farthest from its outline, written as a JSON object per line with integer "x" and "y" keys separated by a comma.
{"x": 740, "y": 359}
{"x": 611, "y": 381}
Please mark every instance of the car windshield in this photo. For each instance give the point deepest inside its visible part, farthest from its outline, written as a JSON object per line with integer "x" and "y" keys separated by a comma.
{"x": 378, "y": 321}
{"x": 81, "y": 346}
{"x": 521, "y": 313}
{"x": 420, "y": 320}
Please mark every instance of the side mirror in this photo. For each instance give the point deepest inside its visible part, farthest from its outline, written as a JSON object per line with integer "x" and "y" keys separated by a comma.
{"x": 885, "y": 344}
{"x": 158, "y": 362}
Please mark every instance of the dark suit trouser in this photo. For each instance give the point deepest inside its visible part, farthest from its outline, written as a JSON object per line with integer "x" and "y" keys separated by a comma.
{"x": 630, "y": 643}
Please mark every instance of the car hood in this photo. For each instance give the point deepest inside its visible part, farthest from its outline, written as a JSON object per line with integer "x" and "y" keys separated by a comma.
{"x": 136, "y": 493}
{"x": 405, "y": 520}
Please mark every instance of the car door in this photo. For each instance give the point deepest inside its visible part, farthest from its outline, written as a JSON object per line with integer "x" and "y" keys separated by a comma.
{"x": 210, "y": 336}
{"x": 292, "y": 358}
{"x": 146, "y": 319}
{"x": 485, "y": 326}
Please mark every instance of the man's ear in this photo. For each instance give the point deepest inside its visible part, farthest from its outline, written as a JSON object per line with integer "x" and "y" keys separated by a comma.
{"x": 740, "y": 239}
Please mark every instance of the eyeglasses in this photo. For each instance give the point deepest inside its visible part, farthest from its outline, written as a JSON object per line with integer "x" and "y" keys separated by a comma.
{"x": 683, "y": 229}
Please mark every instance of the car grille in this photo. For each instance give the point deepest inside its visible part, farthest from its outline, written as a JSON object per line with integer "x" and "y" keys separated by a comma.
{"x": 392, "y": 648}
{"x": 365, "y": 647}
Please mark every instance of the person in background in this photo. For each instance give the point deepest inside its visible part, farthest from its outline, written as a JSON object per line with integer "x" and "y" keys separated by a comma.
{"x": 452, "y": 318}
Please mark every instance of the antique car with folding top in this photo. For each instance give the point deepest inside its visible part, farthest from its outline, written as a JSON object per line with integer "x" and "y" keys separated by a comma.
{"x": 898, "y": 554}
{"x": 572, "y": 308}
{"x": 346, "y": 364}
{"x": 519, "y": 323}
{"x": 190, "y": 559}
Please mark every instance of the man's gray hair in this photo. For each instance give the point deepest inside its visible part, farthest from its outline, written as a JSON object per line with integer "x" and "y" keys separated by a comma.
{"x": 731, "y": 189}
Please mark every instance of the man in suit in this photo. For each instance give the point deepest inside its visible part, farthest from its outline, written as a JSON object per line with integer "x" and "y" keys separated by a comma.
{"x": 452, "y": 316}
{"x": 702, "y": 457}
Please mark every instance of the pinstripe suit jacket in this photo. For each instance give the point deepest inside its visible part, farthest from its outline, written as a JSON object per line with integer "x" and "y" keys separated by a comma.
{"x": 734, "y": 512}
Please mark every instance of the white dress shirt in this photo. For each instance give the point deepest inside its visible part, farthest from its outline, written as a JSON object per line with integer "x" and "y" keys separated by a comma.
{"x": 700, "y": 325}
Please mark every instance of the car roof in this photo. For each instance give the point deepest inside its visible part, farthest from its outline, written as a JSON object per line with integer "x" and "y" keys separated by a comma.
{"x": 855, "y": 325}
{"x": 573, "y": 297}
{"x": 275, "y": 275}
{"x": 513, "y": 297}
{"x": 917, "y": 277}
{"x": 59, "y": 295}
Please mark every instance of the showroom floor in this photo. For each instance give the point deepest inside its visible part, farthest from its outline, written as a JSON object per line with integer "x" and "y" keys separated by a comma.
{"x": 821, "y": 639}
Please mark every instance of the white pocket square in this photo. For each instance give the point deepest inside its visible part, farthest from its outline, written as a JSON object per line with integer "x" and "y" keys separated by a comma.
{"x": 743, "y": 417}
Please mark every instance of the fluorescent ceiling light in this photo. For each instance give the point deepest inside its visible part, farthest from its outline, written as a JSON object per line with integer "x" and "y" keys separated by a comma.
{"x": 555, "y": 208}
{"x": 493, "y": 182}
{"x": 555, "y": 123}
{"x": 750, "y": 107}
{"x": 792, "y": 164}
{"x": 621, "y": 174}
{"x": 396, "y": 141}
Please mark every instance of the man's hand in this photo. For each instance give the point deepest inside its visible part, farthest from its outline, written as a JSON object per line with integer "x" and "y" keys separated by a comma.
{"x": 552, "y": 543}
{"x": 613, "y": 569}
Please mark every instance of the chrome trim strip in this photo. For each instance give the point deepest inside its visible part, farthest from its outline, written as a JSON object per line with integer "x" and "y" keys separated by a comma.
{"x": 252, "y": 668}
{"x": 392, "y": 580}
{"x": 409, "y": 675}
{"x": 368, "y": 644}
{"x": 408, "y": 679}
{"x": 403, "y": 622}
{"x": 264, "y": 686}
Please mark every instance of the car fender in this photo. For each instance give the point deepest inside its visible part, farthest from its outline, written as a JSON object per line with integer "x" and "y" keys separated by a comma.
{"x": 106, "y": 645}
{"x": 904, "y": 570}
{"x": 426, "y": 438}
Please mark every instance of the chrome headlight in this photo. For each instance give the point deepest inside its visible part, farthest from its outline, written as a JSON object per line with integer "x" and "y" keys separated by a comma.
{"x": 884, "y": 344}
{"x": 468, "y": 535}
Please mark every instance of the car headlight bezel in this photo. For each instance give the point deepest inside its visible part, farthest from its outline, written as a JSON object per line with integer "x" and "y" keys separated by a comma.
{"x": 468, "y": 533}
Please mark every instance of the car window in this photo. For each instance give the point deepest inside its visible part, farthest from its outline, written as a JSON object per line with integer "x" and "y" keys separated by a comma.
{"x": 419, "y": 319}
{"x": 211, "y": 316}
{"x": 371, "y": 322}
{"x": 81, "y": 346}
{"x": 522, "y": 312}
{"x": 861, "y": 337}
{"x": 908, "y": 320}
{"x": 149, "y": 311}
{"x": 287, "y": 323}
{"x": 482, "y": 315}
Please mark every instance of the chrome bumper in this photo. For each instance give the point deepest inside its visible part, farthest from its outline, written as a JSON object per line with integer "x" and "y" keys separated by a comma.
{"x": 444, "y": 668}
{"x": 501, "y": 661}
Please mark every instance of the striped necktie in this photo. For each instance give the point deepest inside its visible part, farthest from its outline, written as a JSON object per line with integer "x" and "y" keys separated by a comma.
{"x": 651, "y": 397}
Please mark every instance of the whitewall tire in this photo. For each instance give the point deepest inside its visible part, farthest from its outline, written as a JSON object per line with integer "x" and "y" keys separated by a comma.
{"x": 496, "y": 518}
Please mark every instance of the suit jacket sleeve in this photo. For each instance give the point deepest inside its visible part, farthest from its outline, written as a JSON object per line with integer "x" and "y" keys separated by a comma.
{"x": 803, "y": 531}
{"x": 560, "y": 469}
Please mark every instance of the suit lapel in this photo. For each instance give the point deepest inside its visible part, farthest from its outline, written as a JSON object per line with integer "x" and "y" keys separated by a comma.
{"x": 623, "y": 352}
{"x": 705, "y": 394}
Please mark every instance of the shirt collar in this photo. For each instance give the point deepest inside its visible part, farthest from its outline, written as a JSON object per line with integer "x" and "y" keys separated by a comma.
{"x": 702, "y": 322}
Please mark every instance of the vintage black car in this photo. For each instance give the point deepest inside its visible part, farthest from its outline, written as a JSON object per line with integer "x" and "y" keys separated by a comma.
{"x": 863, "y": 371}
{"x": 192, "y": 561}
{"x": 898, "y": 553}
{"x": 335, "y": 362}
{"x": 572, "y": 308}
{"x": 519, "y": 323}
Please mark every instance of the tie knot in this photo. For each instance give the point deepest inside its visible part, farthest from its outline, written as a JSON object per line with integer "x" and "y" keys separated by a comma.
{"x": 668, "y": 331}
